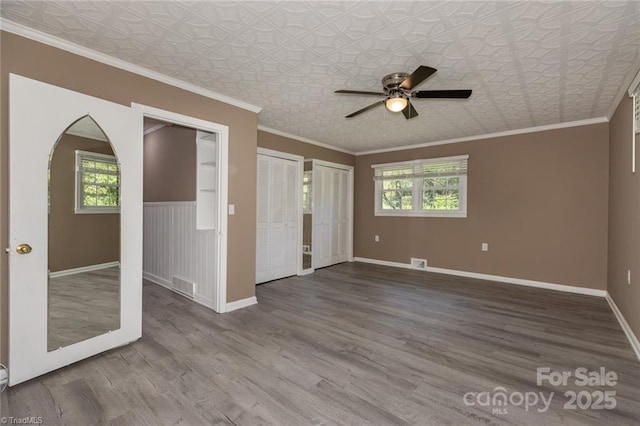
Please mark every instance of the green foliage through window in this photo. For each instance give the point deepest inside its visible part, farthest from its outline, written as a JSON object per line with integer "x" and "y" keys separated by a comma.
{"x": 429, "y": 187}
{"x": 306, "y": 192}
{"x": 99, "y": 181}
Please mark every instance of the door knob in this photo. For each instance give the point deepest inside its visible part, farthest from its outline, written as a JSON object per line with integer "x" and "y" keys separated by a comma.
{"x": 23, "y": 249}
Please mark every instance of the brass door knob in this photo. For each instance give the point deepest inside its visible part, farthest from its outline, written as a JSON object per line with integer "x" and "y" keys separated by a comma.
{"x": 23, "y": 249}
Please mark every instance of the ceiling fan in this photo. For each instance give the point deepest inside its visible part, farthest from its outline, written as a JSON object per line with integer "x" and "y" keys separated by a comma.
{"x": 398, "y": 90}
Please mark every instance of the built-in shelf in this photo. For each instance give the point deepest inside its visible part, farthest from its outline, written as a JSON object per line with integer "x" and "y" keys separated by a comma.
{"x": 207, "y": 137}
{"x": 206, "y": 182}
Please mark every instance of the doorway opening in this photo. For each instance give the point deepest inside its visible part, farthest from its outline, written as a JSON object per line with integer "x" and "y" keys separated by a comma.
{"x": 184, "y": 206}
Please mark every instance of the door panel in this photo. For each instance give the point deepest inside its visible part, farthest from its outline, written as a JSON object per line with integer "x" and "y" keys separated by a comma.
{"x": 277, "y": 217}
{"x": 39, "y": 114}
{"x": 330, "y": 216}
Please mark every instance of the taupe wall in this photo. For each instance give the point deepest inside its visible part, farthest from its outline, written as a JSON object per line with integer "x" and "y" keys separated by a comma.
{"x": 77, "y": 240}
{"x": 538, "y": 199}
{"x": 34, "y": 60}
{"x": 307, "y": 150}
{"x": 624, "y": 211}
{"x": 170, "y": 165}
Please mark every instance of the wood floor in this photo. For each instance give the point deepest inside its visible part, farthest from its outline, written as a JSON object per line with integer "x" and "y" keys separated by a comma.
{"x": 82, "y": 306}
{"x": 350, "y": 344}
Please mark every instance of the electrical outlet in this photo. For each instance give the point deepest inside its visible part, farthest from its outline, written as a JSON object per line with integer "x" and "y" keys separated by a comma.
{"x": 485, "y": 246}
{"x": 376, "y": 238}
{"x": 628, "y": 276}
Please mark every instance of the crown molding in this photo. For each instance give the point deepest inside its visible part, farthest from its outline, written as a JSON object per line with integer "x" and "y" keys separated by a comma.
{"x": 30, "y": 33}
{"x": 492, "y": 135}
{"x": 302, "y": 139}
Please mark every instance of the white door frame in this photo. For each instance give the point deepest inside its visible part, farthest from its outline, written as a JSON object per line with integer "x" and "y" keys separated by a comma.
{"x": 299, "y": 213}
{"x": 349, "y": 169}
{"x": 223, "y": 186}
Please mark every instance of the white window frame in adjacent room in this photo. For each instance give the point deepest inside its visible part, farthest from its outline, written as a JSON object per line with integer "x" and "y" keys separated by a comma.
{"x": 80, "y": 208}
{"x": 634, "y": 92}
{"x": 307, "y": 185}
{"x": 414, "y": 171}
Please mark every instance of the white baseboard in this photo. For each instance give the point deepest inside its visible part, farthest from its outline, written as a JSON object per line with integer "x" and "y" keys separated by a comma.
{"x": 306, "y": 272}
{"x": 242, "y": 303}
{"x": 205, "y": 301}
{"x": 83, "y": 269}
{"x": 4, "y": 377}
{"x": 508, "y": 280}
{"x": 157, "y": 280}
{"x": 202, "y": 300}
{"x": 633, "y": 339}
{"x": 383, "y": 262}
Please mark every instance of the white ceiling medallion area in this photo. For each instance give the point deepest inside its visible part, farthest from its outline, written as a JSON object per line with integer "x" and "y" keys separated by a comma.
{"x": 530, "y": 64}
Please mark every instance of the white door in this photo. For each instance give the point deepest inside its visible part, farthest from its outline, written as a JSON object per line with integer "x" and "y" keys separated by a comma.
{"x": 340, "y": 217}
{"x": 331, "y": 215}
{"x": 39, "y": 115}
{"x": 322, "y": 201}
{"x": 278, "y": 210}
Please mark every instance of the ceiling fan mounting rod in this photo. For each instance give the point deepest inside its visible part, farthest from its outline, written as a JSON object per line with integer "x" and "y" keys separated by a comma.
{"x": 392, "y": 81}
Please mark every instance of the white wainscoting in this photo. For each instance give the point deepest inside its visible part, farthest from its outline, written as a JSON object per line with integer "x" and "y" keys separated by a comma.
{"x": 173, "y": 247}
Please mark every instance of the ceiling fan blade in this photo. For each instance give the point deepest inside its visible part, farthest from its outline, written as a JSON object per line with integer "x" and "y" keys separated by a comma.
{"x": 409, "y": 111}
{"x": 419, "y": 75}
{"x": 359, "y": 92}
{"x": 442, "y": 94}
{"x": 365, "y": 109}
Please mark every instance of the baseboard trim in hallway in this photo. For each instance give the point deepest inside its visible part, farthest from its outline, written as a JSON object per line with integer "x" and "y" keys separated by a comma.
{"x": 633, "y": 339}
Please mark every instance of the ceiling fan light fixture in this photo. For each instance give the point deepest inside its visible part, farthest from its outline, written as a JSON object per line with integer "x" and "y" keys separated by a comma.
{"x": 396, "y": 103}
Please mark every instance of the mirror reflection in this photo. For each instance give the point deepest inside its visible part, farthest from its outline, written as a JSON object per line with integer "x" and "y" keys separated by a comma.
{"x": 307, "y": 217}
{"x": 84, "y": 236}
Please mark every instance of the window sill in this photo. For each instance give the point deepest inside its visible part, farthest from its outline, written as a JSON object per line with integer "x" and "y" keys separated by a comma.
{"x": 458, "y": 215}
{"x": 97, "y": 211}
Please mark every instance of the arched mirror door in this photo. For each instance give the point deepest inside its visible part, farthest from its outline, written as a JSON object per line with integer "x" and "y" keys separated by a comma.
{"x": 84, "y": 236}
{"x": 75, "y": 217}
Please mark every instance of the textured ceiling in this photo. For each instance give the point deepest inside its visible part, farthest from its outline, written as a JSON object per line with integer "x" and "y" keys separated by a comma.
{"x": 528, "y": 63}
{"x": 87, "y": 128}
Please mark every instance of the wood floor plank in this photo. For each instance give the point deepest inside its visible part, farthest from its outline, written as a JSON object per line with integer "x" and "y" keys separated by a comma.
{"x": 352, "y": 344}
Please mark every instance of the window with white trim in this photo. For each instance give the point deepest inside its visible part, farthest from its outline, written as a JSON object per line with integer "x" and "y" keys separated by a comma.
{"x": 435, "y": 187}
{"x": 97, "y": 183}
{"x": 634, "y": 92}
{"x": 306, "y": 192}
{"x": 636, "y": 110}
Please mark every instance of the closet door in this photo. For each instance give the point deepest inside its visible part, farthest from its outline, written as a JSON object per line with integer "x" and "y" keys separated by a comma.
{"x": 278, "y": 199}
{"x": 330, "y": 216}
{"x": 321, "y": 216}
{"x": 340, "y": 219}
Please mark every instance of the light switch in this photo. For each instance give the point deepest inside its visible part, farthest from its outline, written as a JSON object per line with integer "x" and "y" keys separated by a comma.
{"x": 232, "y": 209}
